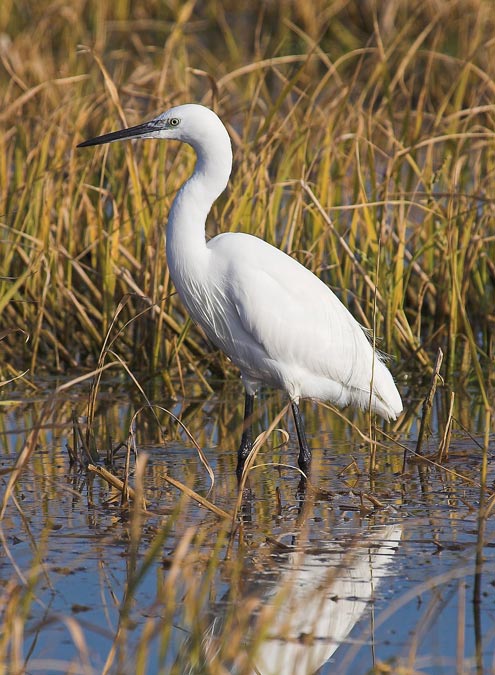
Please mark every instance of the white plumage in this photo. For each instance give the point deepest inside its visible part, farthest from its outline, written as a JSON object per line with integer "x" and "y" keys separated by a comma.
{"x": 274, "y": 318}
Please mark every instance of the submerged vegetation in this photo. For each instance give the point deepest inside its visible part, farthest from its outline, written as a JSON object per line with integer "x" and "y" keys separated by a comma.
{"x": 363, "y": 136}
{"x": 90, "y": 585}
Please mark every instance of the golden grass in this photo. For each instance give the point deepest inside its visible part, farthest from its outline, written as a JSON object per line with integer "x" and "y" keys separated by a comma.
{"x": 363, "y": 146}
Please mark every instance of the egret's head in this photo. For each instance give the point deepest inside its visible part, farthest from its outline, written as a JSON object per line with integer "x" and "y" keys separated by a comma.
{"x": 189, "y": 123}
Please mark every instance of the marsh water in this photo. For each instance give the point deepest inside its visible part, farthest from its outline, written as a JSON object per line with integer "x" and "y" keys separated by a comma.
{"x": 351, "y": 574}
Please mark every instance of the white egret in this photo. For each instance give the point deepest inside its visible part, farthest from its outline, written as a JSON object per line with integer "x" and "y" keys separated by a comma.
{"x": 277, "y": 321}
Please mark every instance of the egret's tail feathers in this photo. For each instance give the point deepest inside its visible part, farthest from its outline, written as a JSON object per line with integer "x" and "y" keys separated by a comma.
{"x": 385, "y": 397}
{"x": 385, "y": 410}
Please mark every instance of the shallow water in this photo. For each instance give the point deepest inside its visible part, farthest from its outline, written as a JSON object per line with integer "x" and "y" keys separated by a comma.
{"x": 309, "y": 582}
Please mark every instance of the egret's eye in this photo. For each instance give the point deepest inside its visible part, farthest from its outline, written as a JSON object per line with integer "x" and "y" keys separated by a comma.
{"x": 174, "y": 121}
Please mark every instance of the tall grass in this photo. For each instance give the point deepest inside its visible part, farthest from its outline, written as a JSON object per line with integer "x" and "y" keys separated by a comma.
{"x": 384, "y": 111}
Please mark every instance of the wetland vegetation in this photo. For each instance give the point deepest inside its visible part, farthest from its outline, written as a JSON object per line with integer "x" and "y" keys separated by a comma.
{"x": 363, "y": 137}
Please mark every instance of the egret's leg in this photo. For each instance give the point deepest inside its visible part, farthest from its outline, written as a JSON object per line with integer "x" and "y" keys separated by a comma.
{"x": 304, "y": 459}
{"x": 247, "y": 434}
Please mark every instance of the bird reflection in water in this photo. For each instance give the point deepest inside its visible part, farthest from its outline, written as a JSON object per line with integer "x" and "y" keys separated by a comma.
{"x": 319, "y": 597}
{"x": 309, "y": 597}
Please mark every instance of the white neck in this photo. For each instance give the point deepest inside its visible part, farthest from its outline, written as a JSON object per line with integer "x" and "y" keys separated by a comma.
{"x": 186, "y": 242}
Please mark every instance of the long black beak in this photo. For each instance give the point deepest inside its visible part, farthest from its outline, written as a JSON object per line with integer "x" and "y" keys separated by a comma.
{"x": 122, "y": 135}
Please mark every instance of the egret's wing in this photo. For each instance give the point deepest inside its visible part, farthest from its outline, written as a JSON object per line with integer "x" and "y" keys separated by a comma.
{"x": 297, "y": 319}
{"x": 283, "y": 318}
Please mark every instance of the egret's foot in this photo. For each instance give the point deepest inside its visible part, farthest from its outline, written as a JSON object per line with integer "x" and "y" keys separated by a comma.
{"x": 242, "y": 455}
{"x": 304, "y": 460}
